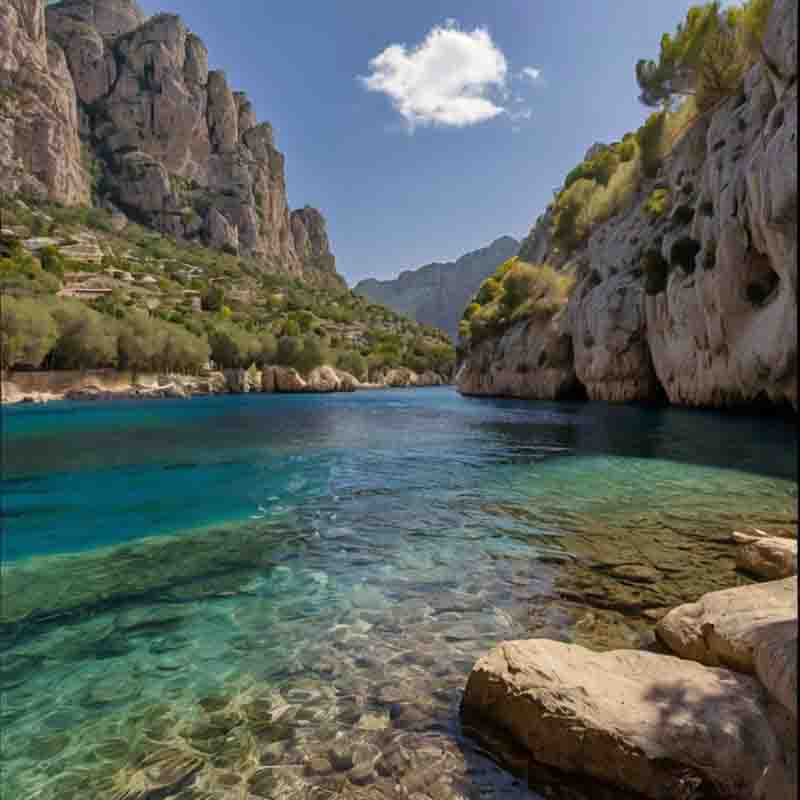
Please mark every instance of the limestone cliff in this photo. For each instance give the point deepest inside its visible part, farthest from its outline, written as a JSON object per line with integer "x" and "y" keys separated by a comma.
{"x": 165, "y": 139}
{"x": 699, "y": 304}
{"x": 436, "y": 294}
{"x": 40, "y": 151}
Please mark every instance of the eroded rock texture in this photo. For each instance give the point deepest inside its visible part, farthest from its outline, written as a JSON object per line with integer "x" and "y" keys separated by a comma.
{"x": 40, "y": 151}
{"x": 700, "y": 305}
{"x": 167, "y": 141}
{"x": 666, "y": 728}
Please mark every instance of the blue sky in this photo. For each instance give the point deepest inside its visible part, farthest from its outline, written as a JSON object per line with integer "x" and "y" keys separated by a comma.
{"x": 452, "y": 146}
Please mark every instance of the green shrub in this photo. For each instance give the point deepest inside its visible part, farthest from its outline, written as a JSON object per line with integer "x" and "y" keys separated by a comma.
{"x": 524, "y": 290}
{"x": 213, "y": 299}
{"x": 599, "y": 169}
{"x": 146, "y": 344}
{"x": 354, "y": 363}
{"x": 27, "y": 334}
{"x": 567, "y": 233}
{"x": 86, "y": 340}
{"x": 707, "y": 56}
{"x": 651, "y": 143}
{"x": 657, "y": 203}
{"x": 488, "y": 291}
{"x": 627, "y": 149}
{"x": 52, "y": 261}
{"x": 233, "y": 347}
{"x": 268, "y": 349}
{"x": 312, "y": 354}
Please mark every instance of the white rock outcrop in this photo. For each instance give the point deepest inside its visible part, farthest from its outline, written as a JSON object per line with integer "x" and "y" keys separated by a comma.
{"x": 698, "y": 306}
{"x": 726, "y": 628}
{"x": 657, "y": 725}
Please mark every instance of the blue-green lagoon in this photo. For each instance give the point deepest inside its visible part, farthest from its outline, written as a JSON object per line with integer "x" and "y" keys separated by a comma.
{"x": 281, "y": 596}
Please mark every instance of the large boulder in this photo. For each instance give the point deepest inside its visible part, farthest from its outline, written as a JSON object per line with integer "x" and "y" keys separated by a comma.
{"x": 268, "y": 380}
{"x": 767, "y": 557}
{"x": 657, "y": 725}
{"x": 289, "y": 380}
{"x": 323, "y": 379}
{"x": 776, "y": 662}
{"x": 347, "y": 382}
{"x": 726, "y": 628}
{"x": 237, "y": 381}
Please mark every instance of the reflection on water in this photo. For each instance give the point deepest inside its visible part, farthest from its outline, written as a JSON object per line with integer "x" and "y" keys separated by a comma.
{"x": 327, "y": 571}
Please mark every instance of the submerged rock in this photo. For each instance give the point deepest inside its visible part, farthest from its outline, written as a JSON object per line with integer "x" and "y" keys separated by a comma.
{"x": 658, "y": 725}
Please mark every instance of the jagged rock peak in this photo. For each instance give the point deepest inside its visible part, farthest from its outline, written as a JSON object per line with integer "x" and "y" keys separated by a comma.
{"x": 176, "y": 147}
{"x": 110, "y": 18}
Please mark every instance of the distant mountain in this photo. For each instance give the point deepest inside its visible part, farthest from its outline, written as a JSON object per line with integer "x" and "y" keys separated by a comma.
{"x": 438, "y": 293}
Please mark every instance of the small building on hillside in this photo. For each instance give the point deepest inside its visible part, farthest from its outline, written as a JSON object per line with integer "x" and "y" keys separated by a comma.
{"x": 85, "y": 292}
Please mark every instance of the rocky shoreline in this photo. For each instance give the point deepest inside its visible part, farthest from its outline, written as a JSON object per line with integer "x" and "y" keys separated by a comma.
{"x": 709, "y": 712}
{"x": 44, "y": 387}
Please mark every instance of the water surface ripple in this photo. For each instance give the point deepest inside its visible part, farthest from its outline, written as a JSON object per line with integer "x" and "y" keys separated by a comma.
{"x": 281, "y": 596}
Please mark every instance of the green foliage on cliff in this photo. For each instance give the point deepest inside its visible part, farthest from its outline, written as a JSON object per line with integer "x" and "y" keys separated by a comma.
{"x": 657, "y": 203}
{"x": 516, "y": 291}
{"x": 703, "y": 62}
{"x": 707, "y": 56}
{"x": 594, "y": 192}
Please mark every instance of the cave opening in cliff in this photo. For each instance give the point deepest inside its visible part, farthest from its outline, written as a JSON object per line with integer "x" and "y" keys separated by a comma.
{"x": 763, "y": 281}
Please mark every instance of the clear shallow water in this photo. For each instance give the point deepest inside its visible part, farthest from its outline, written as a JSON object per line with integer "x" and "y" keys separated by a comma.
{"x": 326, "y": 569}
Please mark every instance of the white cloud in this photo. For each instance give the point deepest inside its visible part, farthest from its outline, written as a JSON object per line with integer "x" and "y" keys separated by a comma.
{"x": 519, "y": 116}
{"x": 531, "y": 73}
{"x": 453, "y": 78}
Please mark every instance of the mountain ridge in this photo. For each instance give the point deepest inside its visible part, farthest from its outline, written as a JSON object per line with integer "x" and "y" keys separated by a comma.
{"x": 436, "y": 293}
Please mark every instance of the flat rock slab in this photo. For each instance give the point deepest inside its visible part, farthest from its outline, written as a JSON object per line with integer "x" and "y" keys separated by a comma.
{"x": 770, "y": 557}
{"x": 653, "y": 724}
{"x": 726, "y": 628}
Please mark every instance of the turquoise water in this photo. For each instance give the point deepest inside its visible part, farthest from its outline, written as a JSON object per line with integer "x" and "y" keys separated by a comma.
{"x": 202, "y": 597}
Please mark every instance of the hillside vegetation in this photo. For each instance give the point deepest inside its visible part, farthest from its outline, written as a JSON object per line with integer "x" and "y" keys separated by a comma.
{"x": 81, "y": 291}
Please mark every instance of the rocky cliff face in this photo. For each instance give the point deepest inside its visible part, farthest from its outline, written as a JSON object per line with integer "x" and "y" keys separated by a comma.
{"x": 166, "y": 140}
{"x": 437, "y": 294}
{"x": 699, "y": 305}
{"x": 40, "y": 151}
